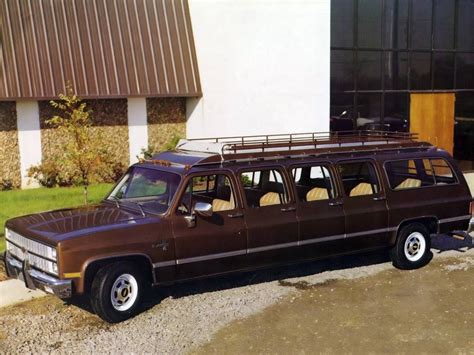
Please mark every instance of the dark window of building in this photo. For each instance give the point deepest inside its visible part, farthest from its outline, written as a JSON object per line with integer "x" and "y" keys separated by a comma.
{"x": 396, "y": 70}
{"x": 421, "y": 24}
{"x": 369, "y": 34}
{"x": 396, "y": 111}
{"x": 396, "y": 24}
{"x": 342, "y": 23}
{"x": 342, "y": 102}
{"x": 465, "y": 71}
{"x": 342, "y": 70}
{"x": 369, "y": 111}
{"x": 464, "y": 126}
{"x": 443, "y": 75}
{"x": 420, "y": 71}
{"x": 369, "y": 73}
{"x": 465, "y": 33}
{"x": 443, "y": 26}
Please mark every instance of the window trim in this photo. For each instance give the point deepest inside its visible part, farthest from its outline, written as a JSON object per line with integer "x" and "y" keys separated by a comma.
{"x": 377, "y": 173}
{"x": 185, "y": 181}
{"x": 332, "y": 174}
{"x": 421, "y": 187}
{"x": 283, "y": 172}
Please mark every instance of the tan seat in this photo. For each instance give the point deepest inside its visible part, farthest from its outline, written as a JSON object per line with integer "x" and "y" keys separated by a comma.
{"x": 222, "y": 205}
{"x": 362, "y": 189}
{"x": 317, "y": 194}
{"x": 408, "y": 183}
{"x": 270, "y": 198}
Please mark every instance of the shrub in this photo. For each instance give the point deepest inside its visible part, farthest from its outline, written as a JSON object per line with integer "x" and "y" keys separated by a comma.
{"x": 6, "y": 185}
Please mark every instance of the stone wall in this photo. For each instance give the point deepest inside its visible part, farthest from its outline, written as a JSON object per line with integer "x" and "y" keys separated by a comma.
{"x": 109, "y": 120}
{"x": 166, "y": 120}
{"x": 9, "y": 151}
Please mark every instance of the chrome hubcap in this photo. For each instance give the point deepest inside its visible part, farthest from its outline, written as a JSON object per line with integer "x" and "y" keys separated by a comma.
{"x": 124, "y": 292}
{"x": 415, "y": 246}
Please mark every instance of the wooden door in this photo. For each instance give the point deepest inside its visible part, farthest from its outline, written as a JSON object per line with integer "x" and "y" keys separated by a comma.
{"x": 432, "y": 117}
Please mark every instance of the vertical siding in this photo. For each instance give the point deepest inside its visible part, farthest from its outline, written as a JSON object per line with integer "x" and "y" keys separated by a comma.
{"x": 103, "y": 48}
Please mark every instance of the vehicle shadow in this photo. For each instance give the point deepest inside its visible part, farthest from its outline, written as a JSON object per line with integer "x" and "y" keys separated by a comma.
{"x": 278, "y": 273}
{"x": 442, "y": 243}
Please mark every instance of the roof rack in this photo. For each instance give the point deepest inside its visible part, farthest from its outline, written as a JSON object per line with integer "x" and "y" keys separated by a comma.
{"x": 278, "y": 145}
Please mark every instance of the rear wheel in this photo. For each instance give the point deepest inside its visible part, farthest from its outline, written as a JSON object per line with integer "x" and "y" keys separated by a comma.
{"x": 412, "y": 249}
{"x": 117, "y": 291}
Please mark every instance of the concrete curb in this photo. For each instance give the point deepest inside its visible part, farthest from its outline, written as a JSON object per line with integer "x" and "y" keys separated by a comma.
{"x": 14, "y": 291}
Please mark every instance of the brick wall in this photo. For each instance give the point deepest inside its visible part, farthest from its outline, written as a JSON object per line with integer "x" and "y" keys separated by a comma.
{"x": 9, "y": 152}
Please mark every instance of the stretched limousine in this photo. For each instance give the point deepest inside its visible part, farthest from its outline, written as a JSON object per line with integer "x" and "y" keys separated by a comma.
{"x": 220, "y": 205}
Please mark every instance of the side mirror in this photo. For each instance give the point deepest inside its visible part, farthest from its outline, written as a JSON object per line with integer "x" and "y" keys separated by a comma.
{"x": 203, "y": 209}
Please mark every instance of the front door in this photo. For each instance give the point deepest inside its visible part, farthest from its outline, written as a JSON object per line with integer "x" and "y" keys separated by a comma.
{"x": 365, "y": 206}
{"x": 270, "y": 216}
{"x": 432, "y": 117}
{"x": 209, "y": 245}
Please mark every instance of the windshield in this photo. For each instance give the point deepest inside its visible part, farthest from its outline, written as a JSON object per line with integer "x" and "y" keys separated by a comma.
{"x": 152, "y": 190}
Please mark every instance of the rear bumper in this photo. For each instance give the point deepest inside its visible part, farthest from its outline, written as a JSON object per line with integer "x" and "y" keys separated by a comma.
{"x": 470, "y": 229}
{"x": 35, "y": 279}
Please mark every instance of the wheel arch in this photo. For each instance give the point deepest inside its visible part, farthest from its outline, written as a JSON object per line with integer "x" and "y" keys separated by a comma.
{"x": 92, "y": 266}
{"x": 430, "y": 222}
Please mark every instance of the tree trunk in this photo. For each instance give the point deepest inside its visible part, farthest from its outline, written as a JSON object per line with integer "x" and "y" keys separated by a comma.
{"x": 86, "y": 199}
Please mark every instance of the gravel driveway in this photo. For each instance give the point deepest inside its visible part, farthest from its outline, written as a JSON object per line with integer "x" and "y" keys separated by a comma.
{"x": 181, "y": 318}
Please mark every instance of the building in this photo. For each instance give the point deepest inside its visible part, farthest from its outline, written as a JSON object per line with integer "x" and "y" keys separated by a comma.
{"x": 152, "y": 69}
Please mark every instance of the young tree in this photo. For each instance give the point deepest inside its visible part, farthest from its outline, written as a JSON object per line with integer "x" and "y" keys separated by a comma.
{"x": 83, "y": 156}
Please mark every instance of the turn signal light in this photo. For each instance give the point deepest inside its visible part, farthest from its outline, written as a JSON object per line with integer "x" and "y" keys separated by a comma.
{"x": 472, "y": 209}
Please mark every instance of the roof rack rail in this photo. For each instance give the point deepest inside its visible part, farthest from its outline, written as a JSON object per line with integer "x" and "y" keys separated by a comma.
{"x": 277, "y": 146}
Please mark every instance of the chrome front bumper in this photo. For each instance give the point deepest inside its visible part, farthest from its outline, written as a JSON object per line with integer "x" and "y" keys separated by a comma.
{"x": 35, "y": 279}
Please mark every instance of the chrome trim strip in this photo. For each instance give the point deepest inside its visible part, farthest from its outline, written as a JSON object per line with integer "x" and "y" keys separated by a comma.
{"x": 454, "y": 219}
{"x": 164, "y": 263}
{"x": 322, "y": 239}
{"x": 373, "y": 231}
{"x": 210, "y": 257}
{"x": 272, "y": 247}
{"x": 268, "y": 247}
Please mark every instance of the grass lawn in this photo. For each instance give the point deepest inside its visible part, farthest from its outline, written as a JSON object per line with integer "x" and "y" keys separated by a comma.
{"x": 20, "y": 202}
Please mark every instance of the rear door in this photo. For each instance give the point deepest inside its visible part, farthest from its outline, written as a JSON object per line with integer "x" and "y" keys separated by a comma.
{"x": 319, "y": 210}
{"x": 270, "y": 215}
{"x": 365, "y": 207}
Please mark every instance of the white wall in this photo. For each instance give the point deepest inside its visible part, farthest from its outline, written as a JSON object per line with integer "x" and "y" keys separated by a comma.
{"x": 137, "y": 127}
{"x": 29, "y": 139}
{"x": 264, "y": 67}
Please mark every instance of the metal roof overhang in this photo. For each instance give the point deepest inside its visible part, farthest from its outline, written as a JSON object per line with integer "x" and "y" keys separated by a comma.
{"x": 103, "y": 48}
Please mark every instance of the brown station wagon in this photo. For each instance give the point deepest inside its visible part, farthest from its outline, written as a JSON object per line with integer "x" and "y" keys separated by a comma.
{"x": 222, "y": 205}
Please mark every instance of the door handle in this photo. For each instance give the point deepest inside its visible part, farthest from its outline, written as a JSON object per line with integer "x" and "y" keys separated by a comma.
{"x": 235, "y": 215}
{"x": 335, "y": 203}
{"x": 288, "y": 209}
{"x": 380, "y": 198}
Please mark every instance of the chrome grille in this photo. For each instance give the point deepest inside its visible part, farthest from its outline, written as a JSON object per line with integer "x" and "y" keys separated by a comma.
{"x": 20, "y": 243}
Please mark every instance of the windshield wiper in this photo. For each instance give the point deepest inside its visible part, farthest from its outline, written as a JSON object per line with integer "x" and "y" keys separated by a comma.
{"x": 140, "y": 207}
{"x": 116, "y": 199}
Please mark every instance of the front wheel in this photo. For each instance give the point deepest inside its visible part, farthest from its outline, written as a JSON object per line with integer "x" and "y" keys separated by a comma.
{"x": 117, "y": 291}
{"x": 412, "y": 249}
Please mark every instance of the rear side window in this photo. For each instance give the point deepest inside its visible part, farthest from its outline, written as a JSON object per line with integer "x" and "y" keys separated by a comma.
{"x": 313, "y": 183}
{"x": 441, "y": 171}
{"x": 416, "y": 173}
{"x": 359, "y": 179}
{"x": 264, "y": 188}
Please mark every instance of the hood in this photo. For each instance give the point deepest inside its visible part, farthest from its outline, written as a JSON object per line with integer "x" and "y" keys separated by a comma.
{"x": 53, "y": 226}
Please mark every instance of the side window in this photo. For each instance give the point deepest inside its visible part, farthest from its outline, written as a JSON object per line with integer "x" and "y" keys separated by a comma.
{"x": 440, "y": 170}
{"x": 407, "y": 174}
{"x": 359, "y": 179}
{"x": 214, "y": 189}
{"x": 313, "y": 183}
{"x": 264, "y": 188}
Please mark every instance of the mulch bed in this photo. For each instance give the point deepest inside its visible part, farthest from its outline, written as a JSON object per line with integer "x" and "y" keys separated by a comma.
{"x": 3, "y": 274}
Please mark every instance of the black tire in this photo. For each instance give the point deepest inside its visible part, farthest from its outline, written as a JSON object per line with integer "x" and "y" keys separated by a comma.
{"x": 412, "y": 249}
{"x": 119, "y": 275}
